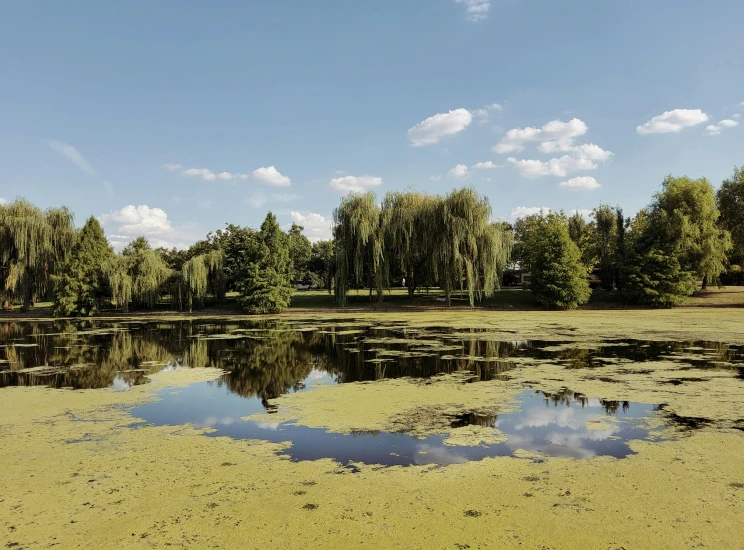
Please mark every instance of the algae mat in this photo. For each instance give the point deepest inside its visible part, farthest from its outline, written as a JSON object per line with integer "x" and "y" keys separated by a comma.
{"x": 79, "y": 474}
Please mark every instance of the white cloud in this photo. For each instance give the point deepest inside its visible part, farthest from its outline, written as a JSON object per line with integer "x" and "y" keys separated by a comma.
{"x": 271, "y": 176}
{"x": 205, "y": 204}
{"x": 438, "y": 126}
{"x": 3, "y": 201}
{"x": 673, "y": 121}
{"x": 109, "y": 188}
{"x": 203, "y": 172}
{"x": 485, "y": 165}
{"x": 152, "y": 223}
{"x": 435, "y": 178}
{"x": 554, "y": 131}
{"x": 583, "y": 183}
{"x": 475, "y": 10}
{"x": 73, "y": 155}
{"x": 177, "y": 199}
{"x": 737, "y": 115}
{"x": 268, "y": 175}
{"x": 524, "y": 211}
{"x": 553, "y": 167}
{"x": 316, "y": 227}
{"x": 139, "y": 220}
{"x": 715, "y": 129}
{"x": 459, "y": 171}
{"x": 483, "y": 114}
{"x": 356, "y": 184}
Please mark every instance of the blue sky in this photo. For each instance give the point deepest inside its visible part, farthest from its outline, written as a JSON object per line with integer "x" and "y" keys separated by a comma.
{"x": 171, "y": 118}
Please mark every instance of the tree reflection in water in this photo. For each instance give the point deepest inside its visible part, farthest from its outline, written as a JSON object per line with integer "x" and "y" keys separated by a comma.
{"x": 267, "y": 359}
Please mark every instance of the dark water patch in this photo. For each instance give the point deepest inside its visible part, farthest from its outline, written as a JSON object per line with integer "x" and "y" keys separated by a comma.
{"x": 546, "y": 424}
{"x": 268, "y": 359}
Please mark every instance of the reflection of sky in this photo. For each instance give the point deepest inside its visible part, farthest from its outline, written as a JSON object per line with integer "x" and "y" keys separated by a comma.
{"x": 540, "y": 427}
{"x": 560, "y": 429}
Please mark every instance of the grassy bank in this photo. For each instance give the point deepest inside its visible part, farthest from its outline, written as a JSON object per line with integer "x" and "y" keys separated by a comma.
{"x": 398, "y": 299}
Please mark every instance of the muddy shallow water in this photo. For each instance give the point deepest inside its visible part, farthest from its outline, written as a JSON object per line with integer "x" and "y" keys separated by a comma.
{"x": 267, "y": 360}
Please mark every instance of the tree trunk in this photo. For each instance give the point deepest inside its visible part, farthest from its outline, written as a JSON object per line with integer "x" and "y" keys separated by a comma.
{"x": 705, "y": 282}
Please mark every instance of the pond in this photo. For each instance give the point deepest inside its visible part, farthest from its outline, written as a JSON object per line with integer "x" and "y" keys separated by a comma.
{"x": 265, "y": 360}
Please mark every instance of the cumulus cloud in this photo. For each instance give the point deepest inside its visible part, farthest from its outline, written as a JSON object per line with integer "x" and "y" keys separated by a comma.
{"x": 73, "y": 155}
{"x": 152, "y": 223}
{"x": 268, "y": 175}
{"x": 459, "y": 171}
{"x": 485, "y": 165}
{"x": 583, "y": 183}
{"x": 436, "y": 127}
{"x": 561, "y": 166}
{"x": 524, "y": 211}
{"x": 3, "y": 201}
{"x": 715, "y": 129}
{"x": 316, "y": 227}
{"x": 475, "y": 10}
{"x": 562, "y": 133}
{"x": 356, "y": 184}
{"x": 271, "y": 176}
{"x": 673, "y": 121}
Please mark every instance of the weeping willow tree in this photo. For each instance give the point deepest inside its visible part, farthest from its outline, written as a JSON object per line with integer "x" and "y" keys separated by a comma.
{"x": 199, "y": 276}
{"x": 120, "y": 281}
{"x": 470, "y": 252}
{"x": 359, "y": 242}
{"x": 408, "y": 224}
{"x": 33, "y": 244}
{"x": 138, "y": 275}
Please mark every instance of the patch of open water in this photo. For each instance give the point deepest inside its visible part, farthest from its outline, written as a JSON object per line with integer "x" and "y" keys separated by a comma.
{"x": 266, "y": 360}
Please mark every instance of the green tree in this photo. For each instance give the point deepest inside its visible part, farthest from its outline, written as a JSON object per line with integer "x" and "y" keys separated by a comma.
{"x": 33, "y": 245}
{"x": 359, "y": 241}
{"x": 604, "y": 239}
{"x": 82, "y": 286}
{"x": 582, "y": 233}
{"x": 653, "y": 274}
{"x": 238, "y": 245}
{"x": 300, "y": 251}
{"x": 691, "y": 216}
{"x": 139, "y": 275}
{"x": 470, "y": 252}
{"x": 267, "y": 287}
{"x": 730, "y": 203}
{"x": 559, "y": 278}
{"x": 320, "y": 266}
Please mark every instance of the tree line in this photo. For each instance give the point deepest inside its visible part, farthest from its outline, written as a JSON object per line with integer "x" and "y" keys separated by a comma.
{"x": 688, "y": 233}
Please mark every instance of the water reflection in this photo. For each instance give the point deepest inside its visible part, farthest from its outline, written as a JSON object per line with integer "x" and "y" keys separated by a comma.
{"x": 562, "y": 427}
{"x": 266, "y": 360}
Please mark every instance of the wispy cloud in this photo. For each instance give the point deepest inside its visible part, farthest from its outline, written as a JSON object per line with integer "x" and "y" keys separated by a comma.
{"x": 109, "y": 188}
{"x": 475, "y": 10}
{"x": 73, "y": 155}
{"x": 356, "y": 184}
